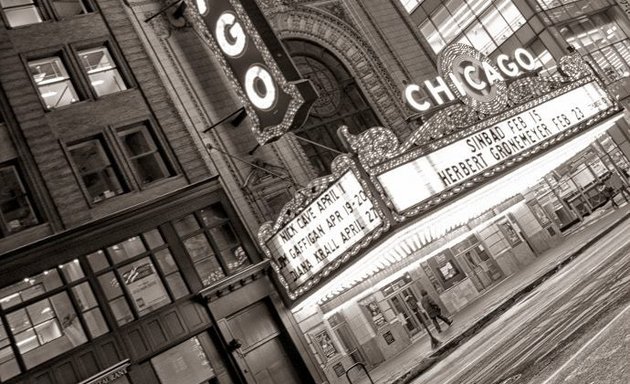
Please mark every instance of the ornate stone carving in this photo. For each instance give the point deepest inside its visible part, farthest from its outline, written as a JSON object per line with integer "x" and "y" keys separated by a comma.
{"x": 339, "y": 37}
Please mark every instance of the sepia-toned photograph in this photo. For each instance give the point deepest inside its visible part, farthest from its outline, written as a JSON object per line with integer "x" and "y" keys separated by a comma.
{"x": 314, "y": 192}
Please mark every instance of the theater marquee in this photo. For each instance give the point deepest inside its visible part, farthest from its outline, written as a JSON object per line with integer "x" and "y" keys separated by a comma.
{"x": 466, "y": 158}
{"x": 317, "y": 234}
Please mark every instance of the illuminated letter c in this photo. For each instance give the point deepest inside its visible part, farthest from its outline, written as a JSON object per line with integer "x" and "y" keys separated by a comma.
{"x": 476, "y": 85}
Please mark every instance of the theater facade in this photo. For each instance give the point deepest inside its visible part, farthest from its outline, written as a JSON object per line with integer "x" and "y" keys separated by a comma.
{"x": 493, "y": 178}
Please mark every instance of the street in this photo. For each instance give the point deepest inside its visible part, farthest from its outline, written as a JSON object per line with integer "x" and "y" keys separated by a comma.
{"x": 518, "y": 345}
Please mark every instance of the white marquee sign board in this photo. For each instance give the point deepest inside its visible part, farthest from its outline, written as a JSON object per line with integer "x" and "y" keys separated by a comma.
{"x": 322, "y": 232}
{"x": 413, "y": 182}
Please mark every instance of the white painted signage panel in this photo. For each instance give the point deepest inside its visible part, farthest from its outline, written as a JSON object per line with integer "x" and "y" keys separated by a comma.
{"x": 328, "y": 227}
{"x": 411, "y": 183}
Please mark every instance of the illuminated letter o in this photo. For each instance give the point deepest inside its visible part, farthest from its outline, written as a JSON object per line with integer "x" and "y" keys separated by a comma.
{"x": 525, "y": 59}
{"x": 235, "y": 45}
{"x": 255, "y": 76}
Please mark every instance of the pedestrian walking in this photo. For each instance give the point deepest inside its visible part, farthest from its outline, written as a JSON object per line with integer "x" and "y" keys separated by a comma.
{"x": 433, "y": 310}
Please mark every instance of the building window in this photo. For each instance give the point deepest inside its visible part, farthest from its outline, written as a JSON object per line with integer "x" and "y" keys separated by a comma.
{"x": 410, "y": 5}
{"x": 8, "y": 364}
{"x": 602, "y": 39}
{"x": 49, "y": 314}
{"x": 212, "y": 243}
{"x": 16, "y": 210}
{"x": 340, "y": 102}
{"x": 558, "y": 11}
{"x": 146, "y": 158}
{"x": 446, "y": 269}
{"x": 69, "y": 8}
{"x": 139, "y": 271}
{"x": 102, "y": 71}
{"x": 482, "y": 24}
{"x": 20, "y": 12}
{"x": 97, "y": 173}
{"x": 53, "y": 82}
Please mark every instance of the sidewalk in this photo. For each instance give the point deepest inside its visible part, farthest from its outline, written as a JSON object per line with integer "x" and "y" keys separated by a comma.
{"x": 410, "y": 363}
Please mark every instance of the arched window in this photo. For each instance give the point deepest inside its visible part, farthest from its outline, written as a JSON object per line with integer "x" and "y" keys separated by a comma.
{"x": 340, "y": 102}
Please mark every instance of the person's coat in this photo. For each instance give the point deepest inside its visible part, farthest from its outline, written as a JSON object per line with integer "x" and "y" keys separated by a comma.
{"x": 430, "y": 307}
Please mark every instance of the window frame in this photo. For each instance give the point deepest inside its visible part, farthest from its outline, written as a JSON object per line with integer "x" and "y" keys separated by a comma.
{"x": 117, "y": 58}
{"x": 150, "y": 253}
{"x": 66, "y": 286}
{"x": 4, "y": 231}
{"x": 87, "y": 5}
{"x": 154, "y": 133}
{"x": 39, "y": 7}
{"x": 65, "y": 57}
{"x": 48, "y": 13}
{"x": 410, "y": 5}
{"x": 113, "y": 159}
{"x": 206, "y": 232}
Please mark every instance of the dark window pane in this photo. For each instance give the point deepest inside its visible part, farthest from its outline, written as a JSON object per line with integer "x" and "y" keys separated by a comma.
{"x": 15, "y": 205}
{"x": 213, "y": 214}
{"x": 198, "y": 247}
{"x": 95, "y": 322}
{"x": 178, "y": 287}
{"x": 186, "y": 225}
{"x": 166, "y": 261}
{"x": 67, "y": 8}
{"x": 96, "y": 170}
{"x": 84, "y": 296}
{"x": 127, "y": 249}
{"x": 153, "y": 238}
{"x": 144, "y": 155}
{"x": 121, "y": 311}
{"x": 98, "y": 261}
{"x": 110, "y": 285}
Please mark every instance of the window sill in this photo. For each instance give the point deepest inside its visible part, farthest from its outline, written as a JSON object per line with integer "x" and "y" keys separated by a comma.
{"x": 24, "y": 237}
{"x": 127, "y": 200}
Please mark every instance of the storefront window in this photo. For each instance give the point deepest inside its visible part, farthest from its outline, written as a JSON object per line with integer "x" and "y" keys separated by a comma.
{"x": 8, "y": 365}
{"x": 139, "y": 270}
{"x": 212, "y": 243}
{"x": 446, "y": 269}
{"x": 46, "y": 321}
{"x": 16, "y": 209}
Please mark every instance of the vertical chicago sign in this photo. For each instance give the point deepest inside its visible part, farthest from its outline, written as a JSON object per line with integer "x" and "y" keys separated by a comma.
{"x": 274, "y": 95}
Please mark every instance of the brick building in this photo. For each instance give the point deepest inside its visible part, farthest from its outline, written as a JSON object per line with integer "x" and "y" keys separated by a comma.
{"x": 116, "y": 233}
{"x": 136, "y": 191}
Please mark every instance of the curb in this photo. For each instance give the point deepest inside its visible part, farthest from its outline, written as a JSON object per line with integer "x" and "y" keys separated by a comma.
{"x": 452, "y": 344}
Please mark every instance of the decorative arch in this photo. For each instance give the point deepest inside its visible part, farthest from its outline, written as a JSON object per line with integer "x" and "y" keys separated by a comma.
{"x": 340, "y": 38}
